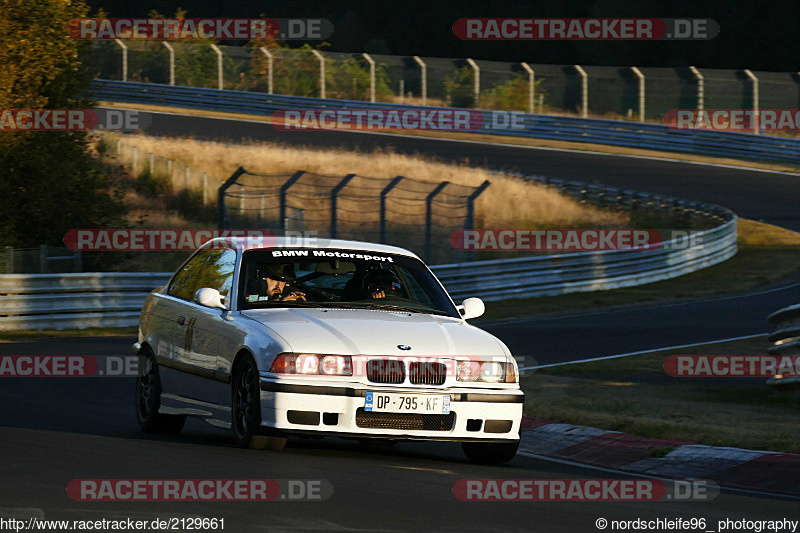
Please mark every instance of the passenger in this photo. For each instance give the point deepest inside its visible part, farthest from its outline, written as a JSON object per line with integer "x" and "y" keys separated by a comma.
{"x": 380, "y": 283}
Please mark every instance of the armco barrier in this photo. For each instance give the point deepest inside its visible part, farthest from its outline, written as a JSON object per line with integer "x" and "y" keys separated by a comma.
{"x": 63, "y": 301}
{"x": 610, "y": 132}
{"x": 785, "y": 341}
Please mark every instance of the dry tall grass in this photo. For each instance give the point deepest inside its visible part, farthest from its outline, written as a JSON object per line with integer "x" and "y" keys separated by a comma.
{"x": 508, "y": 203}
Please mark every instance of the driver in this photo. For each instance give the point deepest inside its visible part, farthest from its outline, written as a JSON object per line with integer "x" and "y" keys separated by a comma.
{"x": 380, "y": 283}
{"x": 275, "y": 278}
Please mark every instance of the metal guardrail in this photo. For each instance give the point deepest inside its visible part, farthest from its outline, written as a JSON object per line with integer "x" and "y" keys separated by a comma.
{"x": 62, "y": 301}
{"x": 610, "y": 132}
{"x": 785, "y": 341}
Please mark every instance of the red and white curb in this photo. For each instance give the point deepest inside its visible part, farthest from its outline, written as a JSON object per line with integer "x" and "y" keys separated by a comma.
{"x": 732, "y": 467}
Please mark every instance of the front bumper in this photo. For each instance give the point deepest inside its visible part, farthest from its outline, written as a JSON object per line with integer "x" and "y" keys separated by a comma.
{"x": 486, "y": 415}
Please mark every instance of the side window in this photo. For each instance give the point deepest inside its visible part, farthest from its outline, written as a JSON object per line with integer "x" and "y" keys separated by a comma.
{"x": 218, "y": 271}
{"x": 184, "y": 283}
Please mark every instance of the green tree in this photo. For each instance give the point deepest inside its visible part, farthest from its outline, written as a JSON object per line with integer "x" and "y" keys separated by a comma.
{"x": 49, "y": 181}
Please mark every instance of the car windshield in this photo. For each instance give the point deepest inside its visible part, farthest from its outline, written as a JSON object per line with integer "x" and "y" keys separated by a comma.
{"x": 339, "y": 278}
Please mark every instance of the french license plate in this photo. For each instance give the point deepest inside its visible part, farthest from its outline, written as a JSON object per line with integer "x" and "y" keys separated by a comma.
{"x": 390, "y": 402}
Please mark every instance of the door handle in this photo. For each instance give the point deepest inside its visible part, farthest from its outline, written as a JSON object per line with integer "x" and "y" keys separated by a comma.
{"x": 181, "y": 320}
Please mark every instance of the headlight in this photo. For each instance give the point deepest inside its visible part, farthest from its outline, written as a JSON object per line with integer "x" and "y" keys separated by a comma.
{"x": 486, "y": 371}
{"x": 309, "y": 363}
{"x": 492, "y": 372}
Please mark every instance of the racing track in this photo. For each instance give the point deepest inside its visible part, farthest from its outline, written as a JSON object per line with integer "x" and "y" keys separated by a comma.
{"x": 58, "y": 429}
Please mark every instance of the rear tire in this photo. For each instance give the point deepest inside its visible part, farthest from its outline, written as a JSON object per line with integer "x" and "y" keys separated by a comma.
{"x": 490, "y": 453}
{"x": 148, "y": 399}
{"x": 246, "y": 409}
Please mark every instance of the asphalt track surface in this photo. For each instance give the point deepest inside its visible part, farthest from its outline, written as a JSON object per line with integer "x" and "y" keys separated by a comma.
{"x": 53, "y": 430}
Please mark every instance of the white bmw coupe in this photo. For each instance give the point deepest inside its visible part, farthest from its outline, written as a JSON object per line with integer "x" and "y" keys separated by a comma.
{"x": 345, "y": 338}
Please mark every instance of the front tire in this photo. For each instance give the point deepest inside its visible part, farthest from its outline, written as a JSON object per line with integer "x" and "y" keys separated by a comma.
{"x": 246, "y": 410}
{"x": 490, "y": 453}
{"x": 148, "y": 399}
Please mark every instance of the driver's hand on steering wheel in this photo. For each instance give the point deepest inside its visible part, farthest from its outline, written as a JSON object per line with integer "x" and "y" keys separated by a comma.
{"x": 378, "y": 293}
{"x": 294, "y": 296}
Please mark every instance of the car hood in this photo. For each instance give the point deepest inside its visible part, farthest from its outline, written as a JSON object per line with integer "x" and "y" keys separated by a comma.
{"x": 375, "y": 332}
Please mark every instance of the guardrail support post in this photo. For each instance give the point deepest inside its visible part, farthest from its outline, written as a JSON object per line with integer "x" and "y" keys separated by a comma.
{"x": 584, "y": 90}
{"x": 371, "y": 76}
{"x": 124, "y": 59}
{"x": 424, "y": 75}
{"x": 222, "y": 213}
{"x": 334, "y": 193}
{"x": 284, "y": 189}
{"x": 171, "y": 62}
{"x": 531, "y": 86}
{"x": 269, "y": 68}
{"x": 220, "y": 77}
{"x": 700, "y": 87}
{"x": 77, "y": 261}
{"x": 477, "y": 79}
{"x": 321, "y": 72}
{"x": 756, "y": 121}
{"x": 641, "y": 92}
{"x": 384, "y": 192}
{"x": 429, "y": 218}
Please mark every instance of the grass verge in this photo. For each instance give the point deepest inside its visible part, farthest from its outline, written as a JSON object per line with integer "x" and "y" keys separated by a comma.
{"x": 636, "y": 396}
{"x": 767, "y": 254}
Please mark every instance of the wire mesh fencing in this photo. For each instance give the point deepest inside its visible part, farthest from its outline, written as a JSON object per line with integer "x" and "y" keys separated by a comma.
{"x": 416, "y": 214}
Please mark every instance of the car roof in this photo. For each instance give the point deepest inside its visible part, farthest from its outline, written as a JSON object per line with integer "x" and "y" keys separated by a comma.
{"x": 318, "y": 243}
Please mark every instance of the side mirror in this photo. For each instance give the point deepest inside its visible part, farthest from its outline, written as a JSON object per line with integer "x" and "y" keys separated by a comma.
{"x": 209, "y": 298}
{"x": 471, "y": 308}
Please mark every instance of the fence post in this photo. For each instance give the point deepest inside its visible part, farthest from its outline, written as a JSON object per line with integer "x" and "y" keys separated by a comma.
{"x": 700, "y": 88}
{"x": 269, "y": 68}
{"x": 386, "y": 190}
{"x": 321, "y": 72}
{"x": 205, "y": 189}
{"x": 424, "y": 79}
{"x": 284, "y": 189}
{"x": 220, "y": 77}
{"x": 124, "y": 59}
{"x": 135, "y": 161}
{"x": 43, "y": 259}
{"x": 334, "y": 193}
{"x": 171, "y": 62}
{"x": 584, "y": 90}
{"x": 477, "y": 81}
{"x": 152, "y": 164}
{"x": 371, "y": 76}
{"x": 186, "y": 175}
{"x": 531, "y": 86}
{"x": 9, "y": 259}
{"x": 469, "y": 221}
{"x": 756, "y": 125}
{"x": 641, "y": 92}
{"x": 222, "y": 213}
{"x": 429, "y": 218}
{"x": 170, "y": 166}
